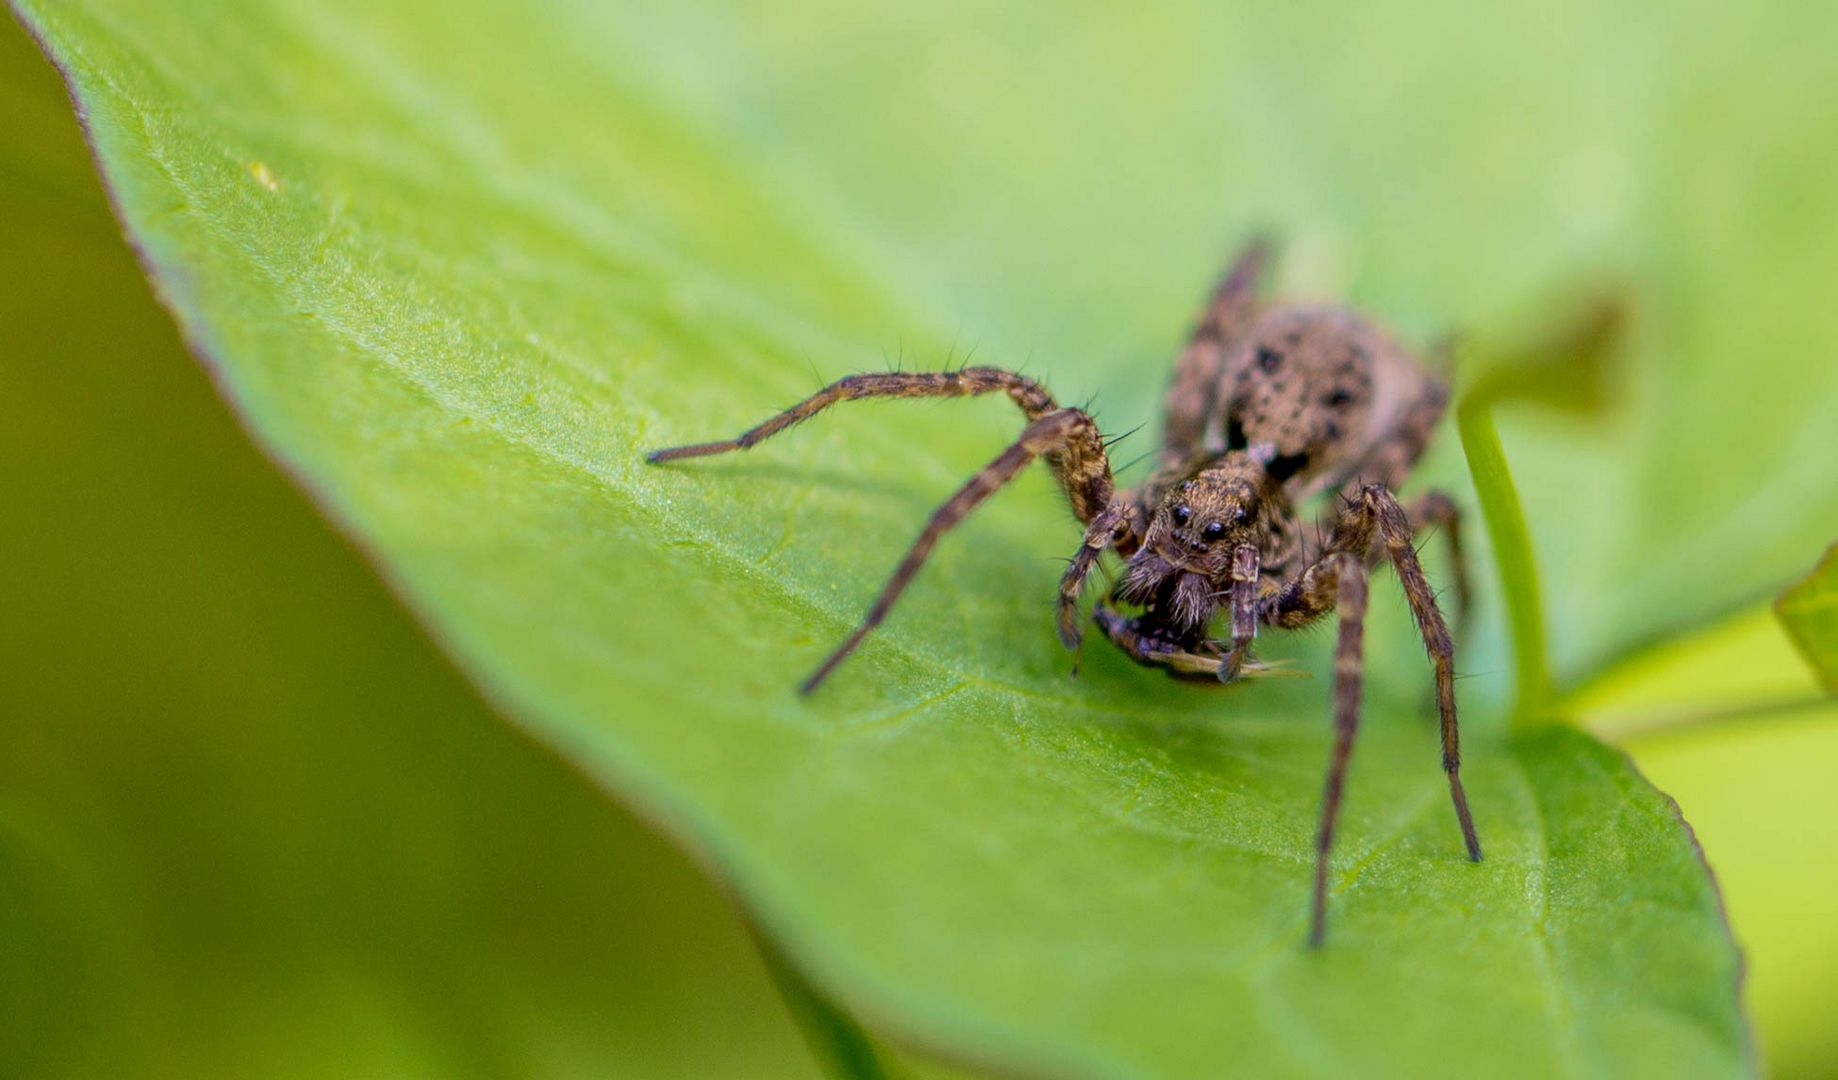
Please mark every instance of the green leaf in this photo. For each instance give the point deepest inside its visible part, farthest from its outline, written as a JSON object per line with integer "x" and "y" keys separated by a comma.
{"x": 458, "y": 265}
{"x": 251, "y": 822}
{"x": 1731, "y": 722}
{"x": 1810, "y": 612}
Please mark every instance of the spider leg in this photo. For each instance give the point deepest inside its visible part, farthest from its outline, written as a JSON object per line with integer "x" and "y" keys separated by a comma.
{"x": 1190, "y": 397}
{"x": 1112, "y": 527}
{"x": 1081, "y": 465}
{"x": 1069, "y": 434}
{"x": 966, "y": 382}
{"x": 1349, "y": 664}
{"x": 1246, "y": 564}
{"x": 1434, "y": 508}
{"x": 1394, "y": 531}
{"x": 1427, "y": 511}
{"x": 1337, "y": 578}
{"x": 1067, "y": 438}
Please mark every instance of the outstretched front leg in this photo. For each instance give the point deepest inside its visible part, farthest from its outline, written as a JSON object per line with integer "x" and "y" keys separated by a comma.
{"x": 1067, "y": 438}
{"x": 1052, "y": 433}
{"x": 1081, "y": 464}
{"x": 965, "y": 382}
{"x": 1338, "y": 579}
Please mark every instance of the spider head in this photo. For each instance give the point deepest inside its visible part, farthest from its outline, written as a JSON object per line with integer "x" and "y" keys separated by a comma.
{"x": 1185, "y": 560}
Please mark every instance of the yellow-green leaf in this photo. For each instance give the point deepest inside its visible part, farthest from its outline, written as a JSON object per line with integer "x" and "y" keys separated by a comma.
{"x": 1810, "y": 612}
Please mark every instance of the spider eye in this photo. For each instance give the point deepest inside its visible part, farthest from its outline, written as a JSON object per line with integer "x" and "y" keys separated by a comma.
{"x": 1240, "y": 515}
{"x": 1214, "y": 530}
{"x": 1181, "y": 514}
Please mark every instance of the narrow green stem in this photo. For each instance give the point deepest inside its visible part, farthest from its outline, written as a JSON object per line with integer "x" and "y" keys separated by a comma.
{"x": 835, "y": 1039}
{"x": 1517, "y": 566}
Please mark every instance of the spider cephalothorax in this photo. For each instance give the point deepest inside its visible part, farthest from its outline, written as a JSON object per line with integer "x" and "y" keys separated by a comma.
{"x": 1270, "y": 405}
{"x": 1184, "y": 564}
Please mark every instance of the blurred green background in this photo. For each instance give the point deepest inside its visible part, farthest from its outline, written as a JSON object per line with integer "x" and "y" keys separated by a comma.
{"x": 252, "y": 823}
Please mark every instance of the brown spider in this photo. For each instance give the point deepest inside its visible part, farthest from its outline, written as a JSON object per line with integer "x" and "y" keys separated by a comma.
{"x": 1270, "y": 404}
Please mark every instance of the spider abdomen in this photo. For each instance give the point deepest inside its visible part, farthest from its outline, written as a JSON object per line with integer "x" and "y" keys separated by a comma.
{"x": 1330, "y": 394}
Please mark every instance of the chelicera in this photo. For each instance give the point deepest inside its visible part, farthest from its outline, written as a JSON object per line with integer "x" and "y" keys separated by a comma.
{"x": 1271, "y": 405}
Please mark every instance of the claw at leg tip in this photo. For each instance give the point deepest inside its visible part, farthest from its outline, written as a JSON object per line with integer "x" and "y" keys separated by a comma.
{"x": 815, "y": 679}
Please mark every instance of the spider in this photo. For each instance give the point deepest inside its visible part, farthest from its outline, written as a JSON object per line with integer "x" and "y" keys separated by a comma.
{"x": 1271, "y": 404}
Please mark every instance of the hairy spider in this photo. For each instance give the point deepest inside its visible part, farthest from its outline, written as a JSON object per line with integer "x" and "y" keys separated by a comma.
{"x": 1270, "y": 405}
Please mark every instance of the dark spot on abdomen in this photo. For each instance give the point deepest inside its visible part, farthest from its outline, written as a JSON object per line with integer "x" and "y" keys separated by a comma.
{"x": 1268, "y": 359}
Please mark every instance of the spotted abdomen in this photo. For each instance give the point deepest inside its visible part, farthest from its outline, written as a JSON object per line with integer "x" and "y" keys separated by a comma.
{"x": 1329, "y": 393}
